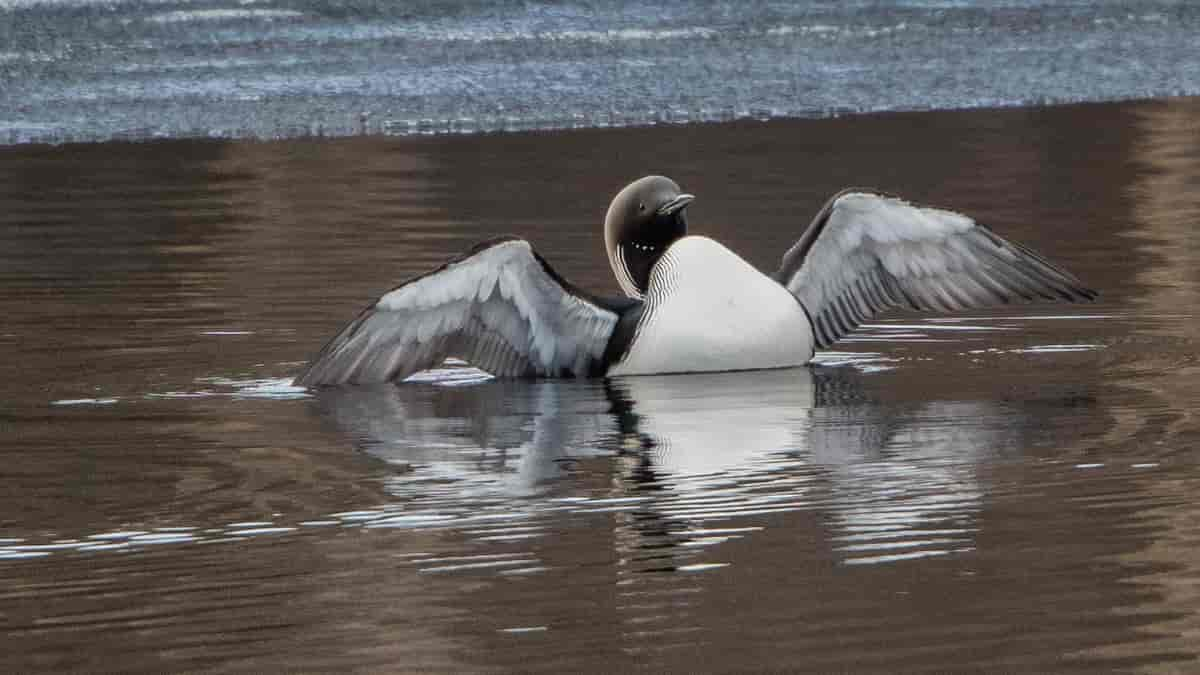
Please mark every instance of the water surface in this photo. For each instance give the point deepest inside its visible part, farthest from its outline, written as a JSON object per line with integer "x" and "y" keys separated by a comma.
{"x": 1009, "y": 490}
{"x": 104, "y": 69}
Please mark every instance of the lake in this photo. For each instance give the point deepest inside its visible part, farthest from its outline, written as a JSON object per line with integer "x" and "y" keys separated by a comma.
{"x": 1010, "y": 490}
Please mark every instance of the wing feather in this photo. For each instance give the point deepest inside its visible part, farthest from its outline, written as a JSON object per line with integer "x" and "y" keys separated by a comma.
{"x": 866, "y": 252}
{"x": 500, "y": 307}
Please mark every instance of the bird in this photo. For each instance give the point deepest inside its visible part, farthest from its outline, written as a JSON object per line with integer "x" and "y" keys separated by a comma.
{"x": 689, "y": 304}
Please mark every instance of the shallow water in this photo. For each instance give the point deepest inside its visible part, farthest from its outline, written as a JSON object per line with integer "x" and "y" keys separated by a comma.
{"x": 1008, "y": 490}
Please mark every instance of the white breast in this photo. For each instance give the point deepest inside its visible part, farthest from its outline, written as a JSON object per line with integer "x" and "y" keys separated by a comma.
{"x": 707, "y": 309}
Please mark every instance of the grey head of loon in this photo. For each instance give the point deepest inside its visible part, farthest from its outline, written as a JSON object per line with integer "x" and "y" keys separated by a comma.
{"x": 644, "y": 219}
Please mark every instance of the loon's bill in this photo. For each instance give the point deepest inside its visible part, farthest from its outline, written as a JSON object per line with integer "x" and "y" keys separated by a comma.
{"x": 690, "y": 305}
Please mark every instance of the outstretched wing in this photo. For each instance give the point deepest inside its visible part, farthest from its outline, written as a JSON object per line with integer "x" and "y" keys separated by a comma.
{"x": 500, "y": 307}
{"x": 866, "y": 252}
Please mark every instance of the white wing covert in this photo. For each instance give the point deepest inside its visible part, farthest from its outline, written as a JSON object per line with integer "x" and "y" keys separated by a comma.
{"x": 500, "y": 307}
{"x": 866, "y": 252}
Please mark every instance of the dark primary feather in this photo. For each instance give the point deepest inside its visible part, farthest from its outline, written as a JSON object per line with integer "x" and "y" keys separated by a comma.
{"x": 500, "y": 307}
{"x": 865, "y": 253}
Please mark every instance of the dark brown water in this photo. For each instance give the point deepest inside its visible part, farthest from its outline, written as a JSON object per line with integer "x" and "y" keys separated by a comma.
{"x": 1009, "y": 491}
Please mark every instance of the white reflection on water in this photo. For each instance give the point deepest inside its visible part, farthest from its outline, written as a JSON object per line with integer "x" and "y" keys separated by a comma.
{"x": 698, "y": 459}
{"x": 692, "y": 462}
{"x": 905, "y": 485}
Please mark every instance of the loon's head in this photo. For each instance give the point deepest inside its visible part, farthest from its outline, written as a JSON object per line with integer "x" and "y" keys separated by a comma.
{"x": 643, "y": 220}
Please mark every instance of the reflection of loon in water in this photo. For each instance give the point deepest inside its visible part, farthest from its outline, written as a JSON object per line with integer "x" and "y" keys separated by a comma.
{"x": 695, "y": 451}
{"x": 500, "y": 437}
{"x": 520, "y": 430}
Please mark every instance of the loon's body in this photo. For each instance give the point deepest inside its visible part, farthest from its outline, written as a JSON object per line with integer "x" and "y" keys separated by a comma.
{"x": 708, "y": 309}
{"x": 691, "y": 304}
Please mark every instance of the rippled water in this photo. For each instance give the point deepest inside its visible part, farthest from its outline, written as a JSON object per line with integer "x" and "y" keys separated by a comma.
{"x": 103, "y": 69}
{"x": 1005, "y": 491}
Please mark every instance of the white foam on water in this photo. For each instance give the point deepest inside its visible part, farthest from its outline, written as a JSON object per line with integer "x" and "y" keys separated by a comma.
{"x": 454, "y": 376}
{"x": 85, "y": 401}
{"x": 1054, "y": 349}
{"x": 186, "y": 15}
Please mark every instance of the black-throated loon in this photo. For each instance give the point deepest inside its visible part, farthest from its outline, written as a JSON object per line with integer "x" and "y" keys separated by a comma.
{"x": 691, "y": 304}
